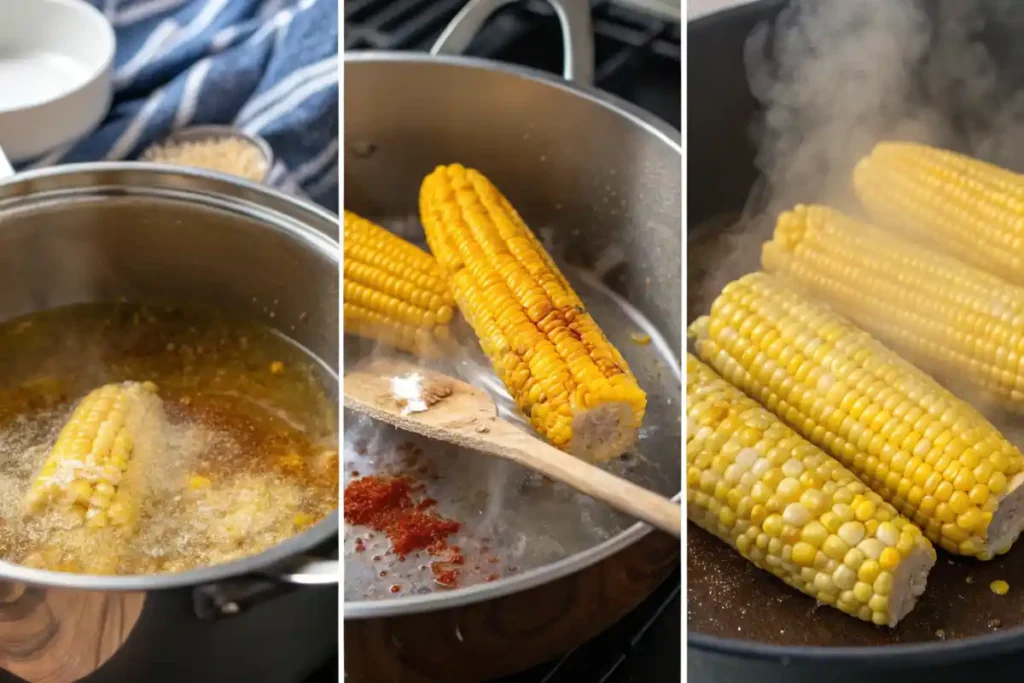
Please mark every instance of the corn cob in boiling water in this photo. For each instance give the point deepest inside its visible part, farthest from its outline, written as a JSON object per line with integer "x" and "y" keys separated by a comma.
{"x": 89, "y": 471}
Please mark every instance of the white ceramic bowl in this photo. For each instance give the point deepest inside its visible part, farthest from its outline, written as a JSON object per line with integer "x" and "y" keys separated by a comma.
{"x": 56, "y": 59}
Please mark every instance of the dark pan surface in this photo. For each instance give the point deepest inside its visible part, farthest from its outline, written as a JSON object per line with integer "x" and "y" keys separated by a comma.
{"x": 728, "y": 597}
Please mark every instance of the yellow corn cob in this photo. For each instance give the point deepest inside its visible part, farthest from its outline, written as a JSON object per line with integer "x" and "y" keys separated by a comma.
{"x": 87, "y": 472}
{"x": 951, "y": 317}
{"x": 794, "y": 511}
{"x": 936, "y": 459}
{"x": 573, "y": 385}
{"x": 971, "y": 209}
{"x": 394, "y": 292}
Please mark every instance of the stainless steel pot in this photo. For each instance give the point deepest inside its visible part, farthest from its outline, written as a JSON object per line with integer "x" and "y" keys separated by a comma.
{"x": 601, "y": 179}
{"x": 102, "y": 232}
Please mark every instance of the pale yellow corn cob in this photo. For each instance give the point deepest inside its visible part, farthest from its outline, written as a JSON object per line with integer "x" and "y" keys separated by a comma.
{"x": 971, "y": 209}
{"x": 936, "y": 459}
{"x": 950, "y": 317}
{"x": 791, "y": 509}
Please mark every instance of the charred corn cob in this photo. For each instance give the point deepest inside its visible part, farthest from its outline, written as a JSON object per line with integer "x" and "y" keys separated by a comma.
{"x": 952, "y": 317}
{"x": 87, "y": 475}
{"x": 394, "y": 292}
{"x": 792, "y": 510}
{"x": 971, "y": 209}
{"x": 572, "y": 384}
{"x": 932, "y": 456}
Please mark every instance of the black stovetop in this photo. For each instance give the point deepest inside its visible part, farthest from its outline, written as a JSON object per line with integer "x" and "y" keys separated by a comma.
{"x": 638, "y": 59}
{"x": 637, "y": 55}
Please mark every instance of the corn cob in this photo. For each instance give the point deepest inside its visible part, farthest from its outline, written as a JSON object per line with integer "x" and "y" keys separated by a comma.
{"x": 394, "y": 292}
{"x": 572, "y": 384}
{"x": 932, "y": 456}
{"x": 794, "y": 511}
{"x": 87, "y": 476}
{"x": 952, "y": 317}
{"x": 968, "y": 208}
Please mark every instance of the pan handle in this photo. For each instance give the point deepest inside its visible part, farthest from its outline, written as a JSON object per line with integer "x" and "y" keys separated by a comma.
{"x": 6, "y": 170}
{"x": 305, "y": 570}
{"x": 573, "y": 15}
{"x": 225, "y": 599}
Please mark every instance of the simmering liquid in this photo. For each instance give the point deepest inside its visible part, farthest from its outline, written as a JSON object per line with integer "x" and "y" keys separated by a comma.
{"x": 247, "y": 458}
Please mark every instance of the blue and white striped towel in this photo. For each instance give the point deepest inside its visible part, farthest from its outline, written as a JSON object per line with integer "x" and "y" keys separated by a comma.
{"x": 267, "y": 66}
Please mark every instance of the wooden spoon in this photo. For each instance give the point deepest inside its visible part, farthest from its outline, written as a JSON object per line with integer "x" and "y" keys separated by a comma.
{"x": 461, "y": 414}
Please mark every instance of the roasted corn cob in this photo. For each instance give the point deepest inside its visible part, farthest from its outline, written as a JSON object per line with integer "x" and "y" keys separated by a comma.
{"x": 936, "y": 459}
{"x": 87, "y": 474}
{"x": 791, "y": 509}
{"x": 951, "y": 317}
{"x": 572, "y": 384}
{"x": 966, "y": 207}
{"x": 394, "y": 292}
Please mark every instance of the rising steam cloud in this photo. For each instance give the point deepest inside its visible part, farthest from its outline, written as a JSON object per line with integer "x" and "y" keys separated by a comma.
{"x": 834, "y": 77}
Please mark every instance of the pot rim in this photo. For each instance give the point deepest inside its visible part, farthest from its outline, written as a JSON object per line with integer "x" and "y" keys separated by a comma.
{"x": 161, "y": 180}
{"x": 613, "y": 103}
{"x": 371, "y": 609}
{"x": 223, "y": 181}
{"x": 930, "y": 653}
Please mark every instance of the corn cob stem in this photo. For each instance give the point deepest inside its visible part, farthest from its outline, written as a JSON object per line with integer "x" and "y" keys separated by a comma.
{"x": 968, "y": 208}
{"x": 936, "y": 459}
{"x": 572, "y": 384}
{"x": 952, "y": 317}
{"x": 89, "y": 475}
{"x": 792, "y": 510}
{"x": 394, "y": 292}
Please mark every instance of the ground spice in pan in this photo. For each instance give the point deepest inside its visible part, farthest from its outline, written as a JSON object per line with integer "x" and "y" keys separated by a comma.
{"x": 386, "y": 504}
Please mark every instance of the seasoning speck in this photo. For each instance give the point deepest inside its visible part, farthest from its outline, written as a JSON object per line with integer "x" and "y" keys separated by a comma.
{"x": 386, "y": 504}
{"x": 227, "y": 154}
{"x": 999, "y": 587}
{"x": 396, "y": 588}
{"x": 409, "y": 393}
{"x": 640, "y": 339}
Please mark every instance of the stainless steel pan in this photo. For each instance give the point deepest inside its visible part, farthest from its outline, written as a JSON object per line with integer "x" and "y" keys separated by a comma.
{"x": 599, "y": 180}
{"x": 100, "y": 232}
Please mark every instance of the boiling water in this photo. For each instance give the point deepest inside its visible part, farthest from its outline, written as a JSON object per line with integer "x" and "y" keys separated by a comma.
{"x": 247, "y": 457}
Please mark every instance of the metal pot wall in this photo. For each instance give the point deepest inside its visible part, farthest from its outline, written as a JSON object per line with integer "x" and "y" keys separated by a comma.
{"x": 604, "y": 176}
{"x": 101, "y": 232}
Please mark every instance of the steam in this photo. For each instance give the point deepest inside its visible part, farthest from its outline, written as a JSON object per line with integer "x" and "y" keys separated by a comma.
{"x": 834, "y": 77}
